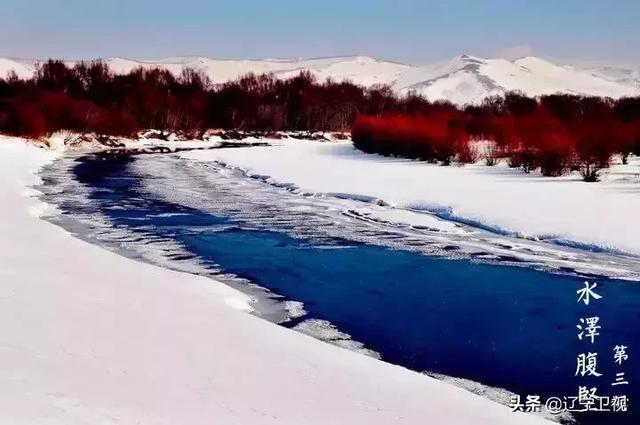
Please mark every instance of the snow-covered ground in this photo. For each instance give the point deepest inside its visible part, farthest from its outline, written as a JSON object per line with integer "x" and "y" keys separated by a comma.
{"x": 461, "y": 80}
{"x": 87, "y": 336}
{"x": 67, "y": 141}
{"x": 565, "y": 210}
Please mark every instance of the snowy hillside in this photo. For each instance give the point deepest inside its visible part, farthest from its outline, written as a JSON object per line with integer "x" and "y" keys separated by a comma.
{"x": 23, "y": 69}
{"x": 623, "y": 75}
{"x": 362, "y": 70}
{"x": 359, "y": 69}
{"x": 467, "y": 79}
{"x": 461, "y": 80}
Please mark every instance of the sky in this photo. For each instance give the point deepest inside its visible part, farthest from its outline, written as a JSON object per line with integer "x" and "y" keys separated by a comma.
{"x": 415, "y": 31}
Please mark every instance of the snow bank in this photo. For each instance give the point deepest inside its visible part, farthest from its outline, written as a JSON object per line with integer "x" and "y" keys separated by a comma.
{"x": 598, "y": 215}
{"x": 87, "y": 336}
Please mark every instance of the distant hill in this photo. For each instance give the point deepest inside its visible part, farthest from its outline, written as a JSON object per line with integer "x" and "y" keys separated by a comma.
{"x": 461, "y": 80}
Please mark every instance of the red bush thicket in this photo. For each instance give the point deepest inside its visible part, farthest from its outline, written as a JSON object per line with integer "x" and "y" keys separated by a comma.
{"x": 553, "y": 133}
{"x": 439, "y": 136}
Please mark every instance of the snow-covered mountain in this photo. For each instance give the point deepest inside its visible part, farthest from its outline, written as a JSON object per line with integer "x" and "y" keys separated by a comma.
{"x": 468, "y": 79}
{"x": 359, "y": 69}
{"x": 623, "y": 75}
{"x": 22, "y": 68}
{"x": 463, "y": 79}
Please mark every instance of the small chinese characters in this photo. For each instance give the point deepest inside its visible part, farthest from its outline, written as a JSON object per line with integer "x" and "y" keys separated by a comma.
{"x": 586, "y": 400}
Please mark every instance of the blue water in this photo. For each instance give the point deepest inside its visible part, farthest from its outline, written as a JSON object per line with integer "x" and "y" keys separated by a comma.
{"x": 508, "y": 327}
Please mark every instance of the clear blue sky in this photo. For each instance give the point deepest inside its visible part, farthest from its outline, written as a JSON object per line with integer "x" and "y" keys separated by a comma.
{"x": 406, "y": 30}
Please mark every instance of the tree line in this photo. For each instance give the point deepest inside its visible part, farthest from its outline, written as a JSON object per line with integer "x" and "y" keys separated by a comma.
{"x": 89, "y": 97}
{"x": 555, "y": 134}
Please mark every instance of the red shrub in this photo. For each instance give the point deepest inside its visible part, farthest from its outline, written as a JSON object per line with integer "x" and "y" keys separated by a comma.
{"x": 467, "y": 153}
{"x": 23, "y": 119}
{"x": 434, "y": 137}
{"x": 547, "y": 142}
{"x": 594, "y": 148}
{"x": 114, "y": 123}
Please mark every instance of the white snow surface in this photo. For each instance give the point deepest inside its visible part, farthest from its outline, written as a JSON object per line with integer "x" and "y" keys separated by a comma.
{"x": 461, "y": 80}
{"x": 23, "y": 69}
{"x": 88, "y": 336}
{"x": 600, "y": 214}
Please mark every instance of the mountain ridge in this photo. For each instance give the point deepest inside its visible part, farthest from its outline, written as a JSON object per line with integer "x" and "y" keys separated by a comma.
{"x": 464, "y": 79}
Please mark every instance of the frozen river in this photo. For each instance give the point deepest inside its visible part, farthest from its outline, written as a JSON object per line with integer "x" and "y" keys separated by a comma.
{"x": 440, "y": 297}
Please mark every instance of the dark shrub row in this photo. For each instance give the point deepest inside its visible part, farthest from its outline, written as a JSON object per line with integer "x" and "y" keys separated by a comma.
{"x": 88, "y": 97}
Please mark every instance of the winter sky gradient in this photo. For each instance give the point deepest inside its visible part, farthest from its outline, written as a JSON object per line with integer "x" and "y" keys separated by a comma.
{"x": 406, "y": 30}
